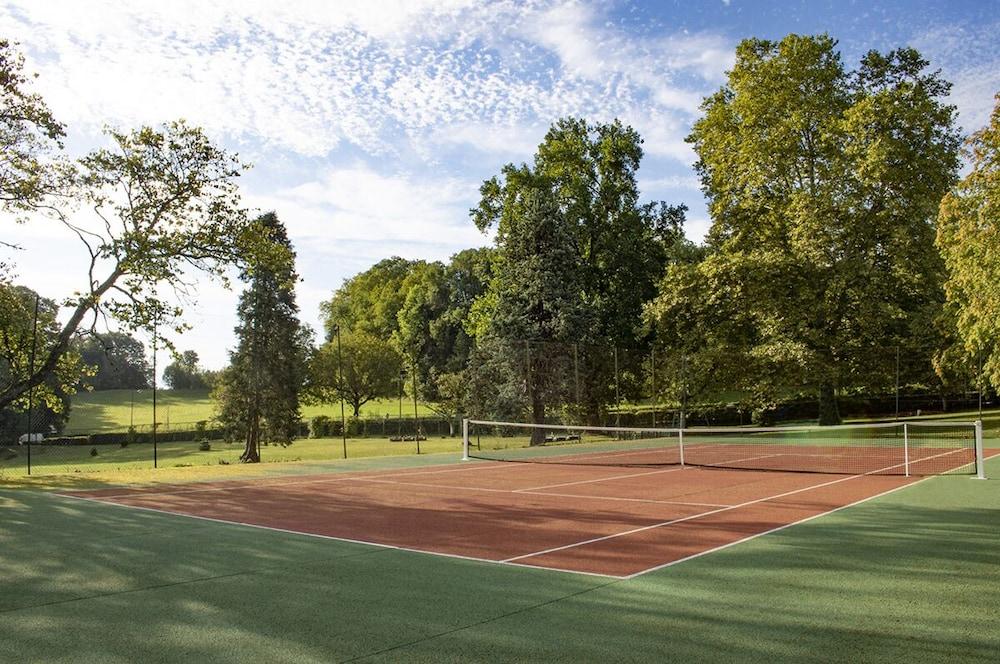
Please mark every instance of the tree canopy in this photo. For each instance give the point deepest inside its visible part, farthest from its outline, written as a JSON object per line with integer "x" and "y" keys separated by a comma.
{"x": 118, "y": 361}
{"x": 258, "y": 395}
{"x": 823, "y": 186}
{"x": 969, "y": 239}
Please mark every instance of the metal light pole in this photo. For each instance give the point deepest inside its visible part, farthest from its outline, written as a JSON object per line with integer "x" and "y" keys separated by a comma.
{"x": 416, "y": 419}
{"x": 402, "y": 377}
{"x": 31, "y": 372}
{"x": 156, "y": 319}
{"x": 340, "y": 380}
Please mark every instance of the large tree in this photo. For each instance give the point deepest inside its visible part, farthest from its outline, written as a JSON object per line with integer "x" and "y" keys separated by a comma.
{"x": 363, "y": 368}
{"x": 537, "y": 302}
{"x": 184, "y": 373}
{"x": 118, "y": 361}
{"x": 162, "y": 205}
{"x": 969, "y": 238}
{"x": 591, "y": 170}
{"x": 370, "y": 301}
{"x": 21, "y": 340}
{"x": 823, "y": 185}
{"x": 258, "y": 395}
{"x": 30, "y": 138}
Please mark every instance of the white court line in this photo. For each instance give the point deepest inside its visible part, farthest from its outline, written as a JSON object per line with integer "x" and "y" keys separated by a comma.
{"x": 632, "y": 531}
{"x": 450, "y": 487}
{"x": 600, "y": 479}
{"x": 251, "y": 483}
{"x": 379, "y": 545}
{"x": 787, "y": 525}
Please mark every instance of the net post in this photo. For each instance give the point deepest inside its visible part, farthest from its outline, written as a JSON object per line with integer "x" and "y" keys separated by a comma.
{"x": 680, "y": 440}
{"x": 906, "y": 447}
{"x": 465, "y": 439}
{"x": 980, "y": 457}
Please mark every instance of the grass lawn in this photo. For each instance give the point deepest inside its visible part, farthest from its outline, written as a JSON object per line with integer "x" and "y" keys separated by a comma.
{"x": 913, "y": 576}
{"x": 115, "y": 410}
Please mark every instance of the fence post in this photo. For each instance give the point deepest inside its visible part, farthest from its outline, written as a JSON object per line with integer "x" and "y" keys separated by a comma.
{"x": 906, "y": 448}
{"x": 465, "y": 439}
{"x": 980, "y": 457}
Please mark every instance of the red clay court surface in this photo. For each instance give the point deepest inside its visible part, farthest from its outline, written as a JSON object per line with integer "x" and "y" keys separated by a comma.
{"x": 605, "y": 520}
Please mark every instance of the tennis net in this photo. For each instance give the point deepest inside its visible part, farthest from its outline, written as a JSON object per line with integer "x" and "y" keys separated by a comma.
{"x": 897, "y": 448}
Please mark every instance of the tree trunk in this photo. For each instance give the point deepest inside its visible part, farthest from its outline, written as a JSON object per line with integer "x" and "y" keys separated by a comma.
{"x": 829, "y": 413}
{"x": 537, "y": 417}
{"x": 251, "y": 451}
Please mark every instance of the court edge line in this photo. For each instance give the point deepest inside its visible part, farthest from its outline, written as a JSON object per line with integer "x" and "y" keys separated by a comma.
{"x": 535, "y": 493}
{"x": 378, "y": 545}
{"x": 325, "y": 478}
{"x": 670, "y": 522}
{"x": 787, "y": 525}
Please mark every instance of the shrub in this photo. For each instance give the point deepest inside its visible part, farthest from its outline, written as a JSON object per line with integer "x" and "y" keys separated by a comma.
{"x": 93, "y": 451}
{"x": 319, "y": 427}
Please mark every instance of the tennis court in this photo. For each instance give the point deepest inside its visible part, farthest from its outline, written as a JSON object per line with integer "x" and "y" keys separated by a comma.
{"x": 613, "y": 506}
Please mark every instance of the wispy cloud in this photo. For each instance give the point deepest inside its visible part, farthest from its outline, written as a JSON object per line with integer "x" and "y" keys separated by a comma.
{"x": 309, "y": 78}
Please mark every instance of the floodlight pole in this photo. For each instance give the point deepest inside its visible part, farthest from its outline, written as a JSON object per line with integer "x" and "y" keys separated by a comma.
{"x": 416, "y": 419}
{"x": 31, "y": 372}
{"x": 402, "y": 377}
{"x": 340, "y": 379}
{"x": 156, "y": 319}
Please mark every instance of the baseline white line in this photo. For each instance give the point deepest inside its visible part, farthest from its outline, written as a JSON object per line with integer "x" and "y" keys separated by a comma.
{"x": 774, "y": 530}
{"x": 277, "y": 483}
{"x": 651, "y": 472}
{"x": 348, "y": 540}
{"x": 632, "y": 531}
{"x": 789, "y": 525}
{"x": 601, "y": 479}
{"x": 536, "y": 493}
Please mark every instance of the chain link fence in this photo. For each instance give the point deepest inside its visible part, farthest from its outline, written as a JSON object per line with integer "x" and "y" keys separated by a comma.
{"x": 611, "y": 386}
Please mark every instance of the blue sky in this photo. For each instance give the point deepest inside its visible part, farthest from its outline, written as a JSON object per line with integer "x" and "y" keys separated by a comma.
{"x": 371, "y": 124}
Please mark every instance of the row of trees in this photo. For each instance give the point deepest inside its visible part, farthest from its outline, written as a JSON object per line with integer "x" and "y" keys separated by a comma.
{"x": 829, "y": 241}
{"x": 154, "y": 211}
{"x": 830, "y": 254}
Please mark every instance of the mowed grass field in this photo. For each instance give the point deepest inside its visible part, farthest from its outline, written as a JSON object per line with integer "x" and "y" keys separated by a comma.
{"x": 913, "y": 576}
{"x": 115, "y": 410}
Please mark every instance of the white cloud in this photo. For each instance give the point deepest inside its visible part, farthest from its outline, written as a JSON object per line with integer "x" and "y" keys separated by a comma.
{"x": 311, "y": 78}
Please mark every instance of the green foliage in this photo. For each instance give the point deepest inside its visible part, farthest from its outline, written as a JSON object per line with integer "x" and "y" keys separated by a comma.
{"x": 117, "y": 360}
{"x": 370, "y": 301}
{"x": 823, "y": 185}
{"x": 320, "y": 427}
{"x": 369, "y": 366}
{"x": 969, "y": 239}
{"x": 49, "y": 398}
{"x": 258, "y": 395}
{"x": 184, "y": 373}
{"x": 168, "y": 207}
{"x": 29, "y": 135}
{"x": 591, "y": 169}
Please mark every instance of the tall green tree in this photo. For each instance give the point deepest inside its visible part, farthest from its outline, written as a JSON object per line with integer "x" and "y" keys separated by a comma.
{"x": 184, "y": 373}
{"x": 365, "y": 367}
{"x": 30, "y": 139}
{"x": 537, "y": 294}
{"x": 167, "y": 207}
{"x": 258, "y": 395}
{"x": 19, "y": 340}
{"x": 969, "y": 238}
{"x": 118, "y": 361}
{"x": 823, "y": 187}
{"x": 370, "y": 301}
{"x": 591, "y": 170}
